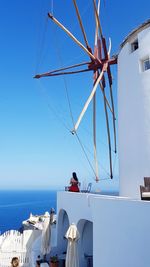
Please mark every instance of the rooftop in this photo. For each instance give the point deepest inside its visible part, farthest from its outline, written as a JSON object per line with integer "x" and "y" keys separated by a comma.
{"x": 143, "y": 26}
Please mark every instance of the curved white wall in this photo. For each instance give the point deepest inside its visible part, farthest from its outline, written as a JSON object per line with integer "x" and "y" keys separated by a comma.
{"x": 85, "y": 243}
{"x": 62, "y": 227}
{"x": 134, "y": 115}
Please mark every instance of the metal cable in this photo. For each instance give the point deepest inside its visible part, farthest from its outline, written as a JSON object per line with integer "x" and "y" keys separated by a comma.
{"x": 51, "y": 108}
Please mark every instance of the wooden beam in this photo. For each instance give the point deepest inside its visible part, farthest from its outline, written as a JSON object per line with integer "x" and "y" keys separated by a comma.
{"x": 88, "y": 101}
{"x": 72, "y": 36}
{"x": 81, "y": 25}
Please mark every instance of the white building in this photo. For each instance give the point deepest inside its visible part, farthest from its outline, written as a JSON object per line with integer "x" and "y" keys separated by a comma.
{"x": 134, "y": 110}
{"x": 114, "y": 230}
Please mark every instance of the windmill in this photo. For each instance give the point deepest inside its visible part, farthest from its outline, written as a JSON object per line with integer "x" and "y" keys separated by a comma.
{"x": 99, "y": 63}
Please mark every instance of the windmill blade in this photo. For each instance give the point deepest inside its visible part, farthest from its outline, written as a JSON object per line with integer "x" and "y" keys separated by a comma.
{"x": 112, "y": 104}
{"x": 88, "y": 101}
{"x": 81, "y": 25}
{"x": 102, "y": 89}
{"x": 97, "y": 18}
{"x": 110, "y": 87}
{"x": 99, "y": 46}
{"x": 96, "y": 34}
{"x": 112, "y": 111}
{"x": 48, "y": 74}
{"x": 94, "y": 138}
{"x": 106, "y": 53}
{"x": 114, "y": 119}
{"x": 94, "y": 131}
{"x": 109, "y": 49}
{"x": 96, "y": 30}
{"x": 94, "y": 111}
{"x": 60, "y": 70}
{"x": 105, "y": 48}
{"x": 103, "y": 84}
{"x": 72, "y": 36}
{"x": 108, "y": 135}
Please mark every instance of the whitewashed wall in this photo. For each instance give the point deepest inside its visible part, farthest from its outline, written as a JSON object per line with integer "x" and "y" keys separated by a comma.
{"x": 121, "y": 233}
{"x": 120, "y": 228}
{"x": 35, "y": 249}
{"x": 134, "y": 116}
{"x": 75, "y": 204}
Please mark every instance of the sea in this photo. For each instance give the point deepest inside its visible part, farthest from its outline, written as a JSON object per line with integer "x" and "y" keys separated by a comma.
{"x": 16, "y": 206}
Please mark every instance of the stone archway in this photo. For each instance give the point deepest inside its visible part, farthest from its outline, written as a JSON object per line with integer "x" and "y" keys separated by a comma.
{"x": 63, "y": 225}
{"x": 85, "y": 228}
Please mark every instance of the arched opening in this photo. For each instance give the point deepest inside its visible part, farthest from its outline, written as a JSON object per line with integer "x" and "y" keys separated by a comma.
{"x": 63, "y": 225}
{"x": 85, "y": 228}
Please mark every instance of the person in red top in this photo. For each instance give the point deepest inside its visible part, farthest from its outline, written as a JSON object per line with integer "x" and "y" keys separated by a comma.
{"x": 74, "y": 183}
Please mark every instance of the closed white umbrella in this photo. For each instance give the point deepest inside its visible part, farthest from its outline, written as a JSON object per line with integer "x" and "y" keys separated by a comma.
{"x": 72, "y": 259}
{"x": 46, "y": 236}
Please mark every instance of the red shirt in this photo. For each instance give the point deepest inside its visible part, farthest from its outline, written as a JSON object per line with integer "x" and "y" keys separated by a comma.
{"x": 74, "y": 185}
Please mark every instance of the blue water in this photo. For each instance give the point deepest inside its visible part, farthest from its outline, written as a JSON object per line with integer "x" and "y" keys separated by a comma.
{"x": 15, "y": 206}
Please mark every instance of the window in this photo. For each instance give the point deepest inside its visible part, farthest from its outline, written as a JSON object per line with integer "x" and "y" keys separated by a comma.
{"x": 146, "y": 64}
{"x": 134, "y": 46}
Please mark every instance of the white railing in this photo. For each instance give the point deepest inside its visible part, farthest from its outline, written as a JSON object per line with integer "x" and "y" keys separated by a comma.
{"x": 16, "y": 244}
{"x": 6, "y": 257}
{"x": 11, "y": 240}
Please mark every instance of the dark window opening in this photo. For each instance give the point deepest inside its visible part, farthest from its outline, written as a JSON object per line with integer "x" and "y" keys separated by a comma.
{"x": 146, "y": 64}
{"x": 134, "y": 46}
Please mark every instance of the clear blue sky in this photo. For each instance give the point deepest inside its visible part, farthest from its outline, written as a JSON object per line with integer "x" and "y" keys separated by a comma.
{"x": 36, "y": 150}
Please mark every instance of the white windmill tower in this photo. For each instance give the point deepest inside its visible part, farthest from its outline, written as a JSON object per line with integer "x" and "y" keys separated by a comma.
{"x": 134, "y": 110}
